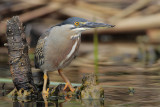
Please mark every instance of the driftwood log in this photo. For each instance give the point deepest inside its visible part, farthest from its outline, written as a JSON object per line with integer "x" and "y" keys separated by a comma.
{"x": 19, "y": 62}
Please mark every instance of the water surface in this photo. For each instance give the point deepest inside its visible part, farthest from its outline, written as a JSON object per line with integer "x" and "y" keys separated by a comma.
{"x": 124, "y": 86}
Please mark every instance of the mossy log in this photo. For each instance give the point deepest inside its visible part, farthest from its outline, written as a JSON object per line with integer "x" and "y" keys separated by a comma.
{"x": 90, "y": 88}
{"x": 19, "y": 62}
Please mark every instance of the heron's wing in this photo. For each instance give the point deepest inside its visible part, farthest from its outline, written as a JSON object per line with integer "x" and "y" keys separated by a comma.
{"x": 39, "y": 51}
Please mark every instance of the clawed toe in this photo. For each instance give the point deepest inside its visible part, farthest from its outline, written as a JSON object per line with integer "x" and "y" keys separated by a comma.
{"x": 70, "y": 87}
{"x": 45, "y": 93}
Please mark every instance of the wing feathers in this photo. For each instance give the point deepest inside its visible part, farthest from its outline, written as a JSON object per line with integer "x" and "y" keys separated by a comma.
{"x": 39, "y": 51}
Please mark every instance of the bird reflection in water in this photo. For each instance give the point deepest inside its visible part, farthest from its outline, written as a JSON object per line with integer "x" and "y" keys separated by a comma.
{"x": 66, "y": 102}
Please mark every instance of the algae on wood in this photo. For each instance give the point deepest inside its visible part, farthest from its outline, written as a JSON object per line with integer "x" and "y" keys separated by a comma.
{"x": 90, "y": 88}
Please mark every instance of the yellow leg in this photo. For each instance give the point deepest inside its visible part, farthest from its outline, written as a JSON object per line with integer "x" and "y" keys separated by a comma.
{"x": 45, "y": 92}
{"x": 68, "y": 84}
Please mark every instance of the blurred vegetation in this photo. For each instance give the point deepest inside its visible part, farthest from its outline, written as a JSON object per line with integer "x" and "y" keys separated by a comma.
{"x": 128, "y": 55}
{"x": 96, "y": 51}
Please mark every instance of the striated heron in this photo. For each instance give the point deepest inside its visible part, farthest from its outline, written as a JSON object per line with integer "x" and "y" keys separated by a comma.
{"x": 59, "y": 45}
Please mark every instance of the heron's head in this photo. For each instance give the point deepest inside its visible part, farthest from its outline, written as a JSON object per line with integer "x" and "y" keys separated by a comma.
{"x": 79, "y": 24}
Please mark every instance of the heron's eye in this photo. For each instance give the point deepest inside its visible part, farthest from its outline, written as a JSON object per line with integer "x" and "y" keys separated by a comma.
{"x": 76, "y": 23}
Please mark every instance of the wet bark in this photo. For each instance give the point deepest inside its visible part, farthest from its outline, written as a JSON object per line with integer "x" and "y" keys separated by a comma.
{"x": 19, "y": 62}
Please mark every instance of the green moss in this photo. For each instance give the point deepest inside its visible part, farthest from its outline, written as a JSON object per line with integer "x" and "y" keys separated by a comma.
{"x": 31, "y": 56}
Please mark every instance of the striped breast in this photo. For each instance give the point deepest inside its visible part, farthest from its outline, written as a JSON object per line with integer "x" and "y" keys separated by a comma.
{"x": 59, "y": 50}
{"x": 59, "y": 56}
{"x": 73, "y": 51}
{"x": 56, "y": 49}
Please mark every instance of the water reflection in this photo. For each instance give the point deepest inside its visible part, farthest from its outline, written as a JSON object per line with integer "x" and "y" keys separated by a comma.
{"x": 60, "y": 103}
{"x": 131, "y": 87}
{"x": 36, "y": 104}
{"x": 23, "y": 104}
{"x": 93, "y": 103}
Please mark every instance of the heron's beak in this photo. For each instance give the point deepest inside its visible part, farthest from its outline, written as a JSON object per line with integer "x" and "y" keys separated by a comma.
{"x": 88, "y": 25}
{"x": 96, "y": 25}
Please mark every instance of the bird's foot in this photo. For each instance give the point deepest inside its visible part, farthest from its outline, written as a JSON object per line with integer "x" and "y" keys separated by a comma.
{"x": 13, "y": 92}
{"x": 45, "y": 93}
{"x": 70, "y": 87}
